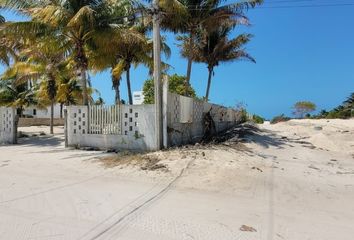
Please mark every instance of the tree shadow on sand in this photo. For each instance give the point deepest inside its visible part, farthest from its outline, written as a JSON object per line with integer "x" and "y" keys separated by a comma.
{"x": 44, "y": 141}
{"x": 249, "y": 132}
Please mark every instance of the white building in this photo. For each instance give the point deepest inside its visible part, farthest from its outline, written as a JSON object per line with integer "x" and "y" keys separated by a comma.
{"x": 35, "y": 112}
{"x": 138, "y": 98}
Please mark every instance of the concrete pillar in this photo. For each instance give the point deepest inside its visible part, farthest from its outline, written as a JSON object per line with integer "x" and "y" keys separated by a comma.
{"x": 165, "y": 111}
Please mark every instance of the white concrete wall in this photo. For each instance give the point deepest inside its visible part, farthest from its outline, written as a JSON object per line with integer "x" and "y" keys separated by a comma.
{"x": 137, "y": 131}
{"x": 42, "y": 113}
{"x": 185, "y": 118}
{"x": 136, "y": 124}
{"x": 7, "y": 125}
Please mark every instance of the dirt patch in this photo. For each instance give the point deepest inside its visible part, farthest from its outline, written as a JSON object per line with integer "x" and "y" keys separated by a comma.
{"x": 245, "y": 228}
{"x": 148, "y": 162}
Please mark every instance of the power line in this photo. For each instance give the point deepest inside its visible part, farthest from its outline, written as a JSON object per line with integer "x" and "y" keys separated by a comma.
{"x": 201, "y": 8}
{"x": 314, "y": 3}
{"x": 309, "y": 6}
{"x": 297, "y": 1}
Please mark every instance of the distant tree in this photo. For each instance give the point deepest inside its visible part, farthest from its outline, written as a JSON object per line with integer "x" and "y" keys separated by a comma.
{"x": 176, "y": 85}
{"x": 303, "y": 107}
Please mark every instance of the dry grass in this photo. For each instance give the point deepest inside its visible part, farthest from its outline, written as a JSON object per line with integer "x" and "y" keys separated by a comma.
{"x": 147, "y": 161}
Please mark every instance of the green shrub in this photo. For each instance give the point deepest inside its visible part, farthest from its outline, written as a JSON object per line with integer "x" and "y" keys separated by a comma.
{"x": 176, "y": 85}
{"x": 280, "y": 118}
{"x": 343, "y": 111}
{"x": 258, "y": 119}
{"x": 243, "y": 116}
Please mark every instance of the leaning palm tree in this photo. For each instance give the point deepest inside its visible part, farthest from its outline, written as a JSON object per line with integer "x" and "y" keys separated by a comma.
{"x": 189, "y": 16}
{"x": 216, "y": 47}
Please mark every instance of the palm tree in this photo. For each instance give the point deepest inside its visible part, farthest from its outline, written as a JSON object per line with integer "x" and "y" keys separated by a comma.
{"x": 215, "y": 47}
{"x": 8, "y": 46}
{"x": 350, "y": 101}
{"x": 18, "y": 96}
{"x": 77, "y": 20}
{"x": 4, "y": 59}
{"x": 41, "y": 60}
{"x": 123, "y": 51}
{"x": 189, "y": 16}
{"x": 68, "y": 92}
{"x": 128, "y": 49}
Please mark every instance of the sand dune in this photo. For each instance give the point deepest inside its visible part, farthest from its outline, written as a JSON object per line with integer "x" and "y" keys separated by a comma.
{"x": 292, "y": 180}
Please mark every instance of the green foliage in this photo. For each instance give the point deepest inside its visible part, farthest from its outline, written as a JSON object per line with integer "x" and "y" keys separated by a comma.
{"x": 258, "y": 119}
{"x": 243, "y": 115}
{"x": 303, "y": 107}
{"x": 18, "y": 96}
{"x": 280, "y": 118}
{"x": 99, "y": 101}
{"x": 176, "y": 85}
{"x": 343, "y": 111}
{"x": 83, "y": 36}
{"x": 216, "y": 47}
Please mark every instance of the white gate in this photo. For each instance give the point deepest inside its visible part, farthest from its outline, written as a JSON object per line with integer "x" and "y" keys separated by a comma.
{"x": 7, "y": 125}
{"x": 105, "y": 120}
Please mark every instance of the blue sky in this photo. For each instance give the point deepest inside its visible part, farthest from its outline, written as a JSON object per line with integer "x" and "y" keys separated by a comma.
{"x": 301, "y": 53}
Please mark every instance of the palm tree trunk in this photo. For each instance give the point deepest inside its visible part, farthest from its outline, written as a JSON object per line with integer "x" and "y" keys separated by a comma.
{"x": 82, "y": 64}
{"x": 83, "y": 83}
{"x": 129, "y": 86}
{"x": 52, "y": 117}
{"x": 209, "y": 84}
{"x": 116, "y": 86}
{"x": 17, "y": 119}
{"x": 61, "y": 110}
{"x": 117, "y": 93}
{"x": 190, "y": 61}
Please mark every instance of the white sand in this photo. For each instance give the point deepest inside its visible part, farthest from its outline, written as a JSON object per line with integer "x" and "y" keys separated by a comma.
{"x": 293, "y": 182}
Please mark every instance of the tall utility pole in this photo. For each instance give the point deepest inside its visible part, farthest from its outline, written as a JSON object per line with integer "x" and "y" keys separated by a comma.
{"x": 157, "y": 74}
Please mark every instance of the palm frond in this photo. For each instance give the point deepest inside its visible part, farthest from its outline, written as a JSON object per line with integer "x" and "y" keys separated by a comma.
{"x": 118, "y": 69}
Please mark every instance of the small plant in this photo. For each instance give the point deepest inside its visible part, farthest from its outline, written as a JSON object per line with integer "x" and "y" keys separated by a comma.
{"x": 258, "y": 119}
{"x": 280, "y": 118}
{"x": 242, "y": 114}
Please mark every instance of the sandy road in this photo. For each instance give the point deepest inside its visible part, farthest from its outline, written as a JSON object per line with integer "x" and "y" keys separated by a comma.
{"x": 283, "y": 186}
